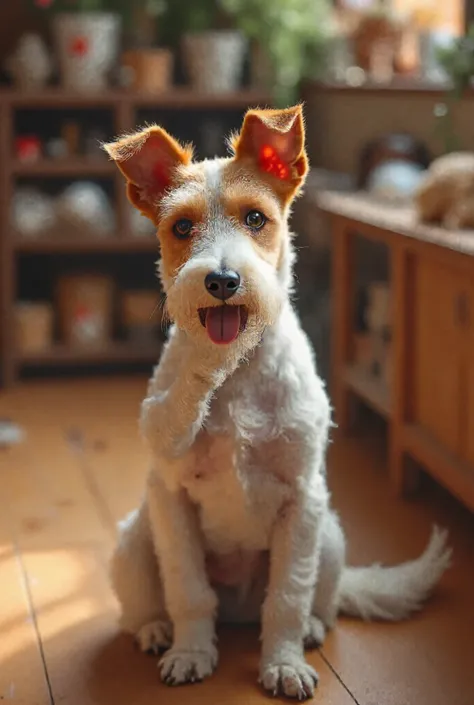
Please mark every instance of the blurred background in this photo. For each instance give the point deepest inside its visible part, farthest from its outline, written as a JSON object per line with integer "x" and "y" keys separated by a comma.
{"x": 384, "y": 290}
{"x": 79, "y": 292}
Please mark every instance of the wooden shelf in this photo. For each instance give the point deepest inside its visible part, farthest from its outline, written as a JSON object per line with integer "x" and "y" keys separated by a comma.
{"x": 66, "y": 167}
{"x": 399, "y": 85}
{"x": 125, "y": 110}
{"x": 175, "y": 98}
{"x": 368, "y": 388}
{"x": 115, "y": 351}
{"x": 87, "y": 244}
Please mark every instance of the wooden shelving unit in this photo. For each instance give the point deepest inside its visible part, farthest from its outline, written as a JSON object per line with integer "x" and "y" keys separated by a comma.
{"x": 117, "y": 352}
{"x": 124, "y": 108}
{"x": 67, "y": 167}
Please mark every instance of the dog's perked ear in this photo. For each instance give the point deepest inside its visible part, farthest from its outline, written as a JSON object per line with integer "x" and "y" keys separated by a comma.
{"x": 274, "y": 141}
{"x": 148, "y": 159}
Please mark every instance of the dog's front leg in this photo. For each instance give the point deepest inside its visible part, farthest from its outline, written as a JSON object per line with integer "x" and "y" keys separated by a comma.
{"x": 172, "y": 415}
{"x": 294, "y": 557}
{"x": 189, "y": 599}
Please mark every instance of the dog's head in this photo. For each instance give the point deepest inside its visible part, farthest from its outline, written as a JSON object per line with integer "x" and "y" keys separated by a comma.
{"x": 222, "y": 223}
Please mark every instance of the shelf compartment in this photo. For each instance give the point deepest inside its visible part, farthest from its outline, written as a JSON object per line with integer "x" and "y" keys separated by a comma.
{"x": 115, "y": 351}
{"x": 368, "y": 388}
{"x": 175, "y": 98}
{"x": 64, "y": 167}
{"x": 87, "y": 244}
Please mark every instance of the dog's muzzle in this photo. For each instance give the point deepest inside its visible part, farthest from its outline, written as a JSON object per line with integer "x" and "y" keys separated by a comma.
{"x": 224, "y": 322}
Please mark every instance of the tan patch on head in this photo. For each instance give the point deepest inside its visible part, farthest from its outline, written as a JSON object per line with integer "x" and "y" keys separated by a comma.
{"x": 244, "y": 189}
{"x": 186, "y": 199}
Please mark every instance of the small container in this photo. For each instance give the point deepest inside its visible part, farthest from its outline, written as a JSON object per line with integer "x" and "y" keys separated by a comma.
{"x": 28, "y": 149}
{"x": 34, "y": 323}
{"x": 85, "y": 306}
{"x": 139, "y": 315}
{"x": 148, "y": 70}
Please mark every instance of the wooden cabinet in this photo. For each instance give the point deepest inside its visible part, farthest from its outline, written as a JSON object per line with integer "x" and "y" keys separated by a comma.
{"x": 437, "y": 339}
{"x": 429, "y": 403}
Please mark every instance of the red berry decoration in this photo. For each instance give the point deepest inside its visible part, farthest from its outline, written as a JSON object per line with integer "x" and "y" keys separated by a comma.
{"x": 79, "y": 46}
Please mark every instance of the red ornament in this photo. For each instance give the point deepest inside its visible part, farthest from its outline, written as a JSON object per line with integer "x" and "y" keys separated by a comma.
{"x": 28, "y": 148}
{"x": 79, "y": 46}
{"x": 270, "y": 162}
{"x": 82, "y": 312}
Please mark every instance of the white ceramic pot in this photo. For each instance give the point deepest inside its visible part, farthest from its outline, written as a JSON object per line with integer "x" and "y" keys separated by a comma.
{"x": 214, "y": 60}
{"x": 87, "y": 46}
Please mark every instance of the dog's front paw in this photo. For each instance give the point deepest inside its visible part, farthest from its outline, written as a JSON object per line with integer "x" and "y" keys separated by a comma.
{"x": 154, "y": 637}
{"x": 292, "y": 677}
{"x": 179, "y": 666}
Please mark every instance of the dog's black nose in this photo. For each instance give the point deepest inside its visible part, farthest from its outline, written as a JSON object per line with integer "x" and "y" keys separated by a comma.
{"x": 222, "y": 285}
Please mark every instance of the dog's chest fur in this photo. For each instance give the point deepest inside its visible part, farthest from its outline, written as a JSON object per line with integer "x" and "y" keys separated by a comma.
{"x": 240, "y": 470}
{"x": 236, "y": 487}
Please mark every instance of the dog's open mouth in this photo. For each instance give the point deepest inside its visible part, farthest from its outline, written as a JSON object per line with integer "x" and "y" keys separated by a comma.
{"x": 223, "y": 323}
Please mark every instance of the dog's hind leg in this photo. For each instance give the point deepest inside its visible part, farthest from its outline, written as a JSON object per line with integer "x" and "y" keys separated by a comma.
{"x": 136, "y": 581}
{"x": 331, "y": 565}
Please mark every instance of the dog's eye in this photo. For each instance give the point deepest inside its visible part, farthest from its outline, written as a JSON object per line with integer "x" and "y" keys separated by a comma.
{"x": 182, "y": 228}
{"x": 255, "y": 220}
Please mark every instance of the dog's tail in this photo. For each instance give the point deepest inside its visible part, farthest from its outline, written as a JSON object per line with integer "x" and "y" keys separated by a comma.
{"x": 392, "y": 593}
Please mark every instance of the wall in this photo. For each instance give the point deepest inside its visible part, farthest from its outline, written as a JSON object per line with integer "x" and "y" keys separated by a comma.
{"x": 341, "y": 121}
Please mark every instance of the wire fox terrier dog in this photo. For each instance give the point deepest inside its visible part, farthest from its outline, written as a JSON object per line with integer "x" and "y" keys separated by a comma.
{"x": 236, "y": 524}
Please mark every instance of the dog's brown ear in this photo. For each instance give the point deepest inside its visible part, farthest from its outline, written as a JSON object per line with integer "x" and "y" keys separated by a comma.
{"x": 147, "y": 159}
{"x": 274, "y": 140}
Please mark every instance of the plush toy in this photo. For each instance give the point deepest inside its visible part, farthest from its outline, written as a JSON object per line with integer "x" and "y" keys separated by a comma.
{"x": 446, "y": 194}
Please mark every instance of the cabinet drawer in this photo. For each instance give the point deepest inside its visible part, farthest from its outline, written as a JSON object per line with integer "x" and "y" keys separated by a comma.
{"x": 438, "y": 342}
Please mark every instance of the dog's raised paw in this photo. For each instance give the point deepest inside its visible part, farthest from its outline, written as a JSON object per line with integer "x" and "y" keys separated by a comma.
{"x": 295, "y": 679}
{"x": 178, "y": 666}
{"x": 315, "y": 633}
{"x": 154, "y": 637}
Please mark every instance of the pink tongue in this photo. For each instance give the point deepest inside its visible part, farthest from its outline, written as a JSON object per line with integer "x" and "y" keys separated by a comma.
{"x": 223, "y": 324}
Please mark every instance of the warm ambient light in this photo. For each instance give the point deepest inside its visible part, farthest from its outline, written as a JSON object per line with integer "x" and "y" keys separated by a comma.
{"x": 272, "y": 164}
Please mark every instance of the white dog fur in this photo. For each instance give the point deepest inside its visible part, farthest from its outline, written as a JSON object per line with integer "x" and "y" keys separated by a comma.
{"x": 235, "y": 524}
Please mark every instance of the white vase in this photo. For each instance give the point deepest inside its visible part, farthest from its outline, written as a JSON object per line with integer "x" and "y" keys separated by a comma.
{"x": 31, "y": 64}
{"x": 214, "y": 60}
{"x": 87, "y": 45}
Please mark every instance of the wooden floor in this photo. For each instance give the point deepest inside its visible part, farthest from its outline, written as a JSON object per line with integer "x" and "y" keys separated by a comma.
{"x": 81, "y": 468}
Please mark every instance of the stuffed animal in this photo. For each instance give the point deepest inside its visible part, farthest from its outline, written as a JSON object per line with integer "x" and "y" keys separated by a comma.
{"x": 446, "y": 194}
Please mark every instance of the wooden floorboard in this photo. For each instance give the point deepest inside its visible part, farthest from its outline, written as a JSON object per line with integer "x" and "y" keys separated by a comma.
{"x": 82, "y": 468}
{"x": 23, "y": 676}
{"x": 427, "y": 660}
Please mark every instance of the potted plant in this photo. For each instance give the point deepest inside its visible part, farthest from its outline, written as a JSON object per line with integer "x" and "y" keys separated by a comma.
{"x": 288, "y": 36}
{"x": 146, "y": 66}
{"x": 213, "y": 50}
{"x": 87, "y": 38}
{"x": 457, "y": 59}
